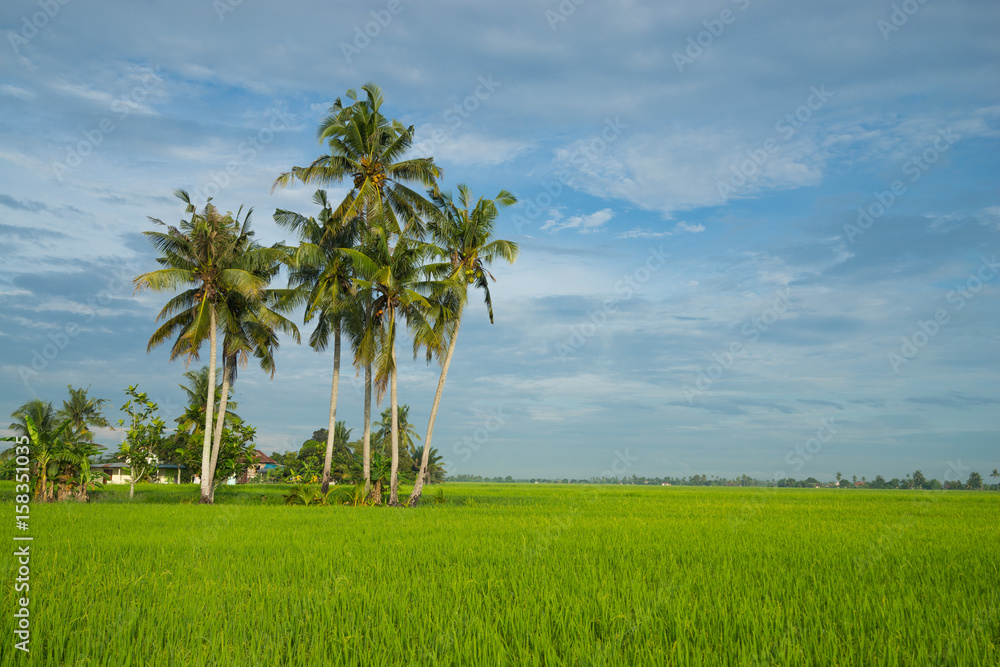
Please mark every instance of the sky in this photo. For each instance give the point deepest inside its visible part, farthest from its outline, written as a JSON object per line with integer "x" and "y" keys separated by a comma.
{"x": 756, "y": 237}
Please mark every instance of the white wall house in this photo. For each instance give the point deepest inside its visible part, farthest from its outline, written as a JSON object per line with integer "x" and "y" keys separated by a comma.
{"x": 166, "y": 473}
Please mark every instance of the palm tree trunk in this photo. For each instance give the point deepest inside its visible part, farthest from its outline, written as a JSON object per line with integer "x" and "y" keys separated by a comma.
{"x": 206, "y": 449}
{"x": 328, "y": 460}
{"x": 418, "y": 487}
{"x": 131, "y": 489}
{"x": 220, "y": 424}
{"x": 366, "y": 447}
{"x": 394, "y": 475}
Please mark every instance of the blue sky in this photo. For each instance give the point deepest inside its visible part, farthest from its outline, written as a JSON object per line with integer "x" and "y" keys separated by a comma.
{"x": 756, "y": 237}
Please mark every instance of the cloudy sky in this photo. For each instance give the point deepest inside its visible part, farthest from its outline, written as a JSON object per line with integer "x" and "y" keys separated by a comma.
{"x": 756, "y": 237}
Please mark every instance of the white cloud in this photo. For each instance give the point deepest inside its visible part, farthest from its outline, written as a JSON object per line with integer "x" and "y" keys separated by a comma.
{"x": 583, "y": 223}
{"x": 679, "y": 227}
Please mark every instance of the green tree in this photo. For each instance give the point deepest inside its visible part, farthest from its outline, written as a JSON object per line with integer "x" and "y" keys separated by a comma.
{"x": 463, "y": 232}
{"x": 83, "y": 411}
{"x": 142, "y": 439}
{"x": 46, "y": 446}
{"x": 918, "y": 480}
{"x": 206, "y": 255}
{"x": 995, "y": 475}
{"x": 40, "y": 412}
{"x": 975, "y": 482}
{"x": 366, "y": 148}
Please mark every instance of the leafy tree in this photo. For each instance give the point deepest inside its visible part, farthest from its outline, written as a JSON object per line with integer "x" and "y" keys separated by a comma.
{"x": 995, "y": 475}
{"x": 143, "y": 437}
{"x": 975, "y": 481}
{"x": 47, "y": 447}
{"x": 918, "y": 480}
{"x": 40, "y": 412}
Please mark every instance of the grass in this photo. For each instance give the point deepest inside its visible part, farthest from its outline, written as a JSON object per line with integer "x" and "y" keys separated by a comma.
{"x": 516, "y": 574}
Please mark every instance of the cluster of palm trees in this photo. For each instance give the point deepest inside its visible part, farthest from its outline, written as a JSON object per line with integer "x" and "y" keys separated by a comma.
{"x": 385, "y": 256}
{"x": 61, "y": 443}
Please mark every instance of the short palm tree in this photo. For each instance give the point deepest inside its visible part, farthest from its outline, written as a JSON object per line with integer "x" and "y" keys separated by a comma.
{"x": 40, "y": 412}
{"x": 463, "y": 232}
{"x": 206, "y": 255}
{"x": 83, "y": 411}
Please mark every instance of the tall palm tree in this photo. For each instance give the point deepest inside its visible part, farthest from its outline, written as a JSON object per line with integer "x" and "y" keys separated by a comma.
{"x": 367, "y": 148}
{"x": 995, "y": 475}
{"x": 463, "y": 231}
{"x": 364, "y": 342}
{"x": 321, "y": 276}
{"x": 250, "y": 327}
{"x": 192, "y": 420}
{"x": 204, "y": 255}
{"x": 391, "y": 267}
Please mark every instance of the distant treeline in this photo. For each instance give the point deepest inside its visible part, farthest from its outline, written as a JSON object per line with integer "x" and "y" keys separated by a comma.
{"x": 913, "y": 481}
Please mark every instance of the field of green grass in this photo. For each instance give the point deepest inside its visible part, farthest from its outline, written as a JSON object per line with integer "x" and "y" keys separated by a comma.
{"x": 504, "y": 574}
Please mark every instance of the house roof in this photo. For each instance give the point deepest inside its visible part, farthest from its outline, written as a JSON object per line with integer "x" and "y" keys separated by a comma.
{"x": 264, "y": 458}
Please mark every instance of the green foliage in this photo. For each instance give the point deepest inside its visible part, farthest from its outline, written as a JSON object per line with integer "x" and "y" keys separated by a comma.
{"x": 144, "y": 435}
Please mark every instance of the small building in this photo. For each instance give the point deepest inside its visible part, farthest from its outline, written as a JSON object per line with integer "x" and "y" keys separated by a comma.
{"x": 117, "y": 473}
{"x": 262, "y": 464}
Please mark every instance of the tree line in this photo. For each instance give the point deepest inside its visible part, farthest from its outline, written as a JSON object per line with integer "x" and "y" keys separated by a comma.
{"x": 914, "y": 481}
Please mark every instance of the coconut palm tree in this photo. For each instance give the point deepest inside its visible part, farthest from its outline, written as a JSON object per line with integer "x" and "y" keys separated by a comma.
{"x": 205, "y": 255}
{"x": 435, "y": 472}
{"x": 40, "y": 412}
{"x": 366, "y": 148}
{"x": 391, "y": 267}
{"x": 250, "y": 327}
{"x": 463, "y": 231}
{"x": 995, "y": 475}
{"x": 84, "y": 412}
{"x": 320, "y": 275}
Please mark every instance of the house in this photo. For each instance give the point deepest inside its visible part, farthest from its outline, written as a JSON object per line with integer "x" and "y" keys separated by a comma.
{"x": 117, "y": 473}
{"x": 262, "y": 464}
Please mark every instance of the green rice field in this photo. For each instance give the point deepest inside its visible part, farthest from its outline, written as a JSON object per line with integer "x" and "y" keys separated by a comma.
{"x": 509, "y": 574}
